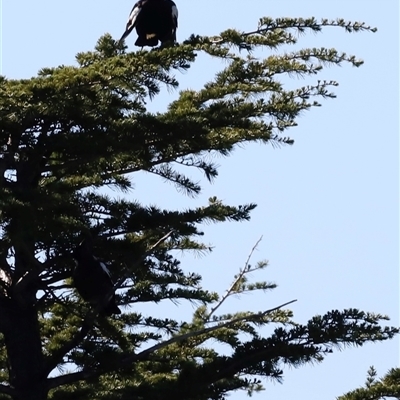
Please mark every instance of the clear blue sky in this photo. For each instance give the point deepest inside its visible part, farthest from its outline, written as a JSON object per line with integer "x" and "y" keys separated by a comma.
{"x": 328, "y": 206}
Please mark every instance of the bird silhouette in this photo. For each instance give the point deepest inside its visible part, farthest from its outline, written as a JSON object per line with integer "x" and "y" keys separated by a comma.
{"x": 154, "y": 20}
{"x": 93, "y": 281}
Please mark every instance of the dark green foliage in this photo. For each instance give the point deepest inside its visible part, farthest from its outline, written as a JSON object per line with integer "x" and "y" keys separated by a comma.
{"x": 74, "y": 130}
{"x": 377, "y": 389}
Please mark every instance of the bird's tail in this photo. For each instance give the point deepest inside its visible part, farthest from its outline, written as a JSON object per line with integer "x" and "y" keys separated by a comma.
{"x": 111, "y": 308}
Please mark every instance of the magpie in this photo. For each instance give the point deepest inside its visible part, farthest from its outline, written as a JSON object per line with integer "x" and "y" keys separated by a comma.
{"x": 93, "y": 281}
{"x": 154, "y": 20}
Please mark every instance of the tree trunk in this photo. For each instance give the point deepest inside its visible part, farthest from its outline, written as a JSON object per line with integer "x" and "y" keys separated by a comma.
{"x": 21, "y": 328}
{"x": 24, "y": 351}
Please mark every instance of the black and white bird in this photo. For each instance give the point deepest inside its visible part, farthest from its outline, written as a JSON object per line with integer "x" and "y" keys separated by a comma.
{"x": 154, "y": 20}
{"x": 93, "y": 281}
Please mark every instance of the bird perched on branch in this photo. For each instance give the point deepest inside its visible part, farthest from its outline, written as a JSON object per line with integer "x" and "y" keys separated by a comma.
{"x": 154, "y": 20}
{"x": 93, "y": 281}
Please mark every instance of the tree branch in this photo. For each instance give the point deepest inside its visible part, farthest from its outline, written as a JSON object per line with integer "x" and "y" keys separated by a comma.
{"x": 248, "y": 318}
{"x": 145, "y": 354}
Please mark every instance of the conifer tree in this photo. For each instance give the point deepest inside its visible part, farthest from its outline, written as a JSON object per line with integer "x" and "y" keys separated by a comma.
{"x": 376, "y": 388}
{"x": 71, "y": 131}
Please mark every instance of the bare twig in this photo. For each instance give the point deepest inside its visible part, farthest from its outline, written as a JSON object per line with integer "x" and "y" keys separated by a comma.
{"x": 246, "y": 265}
{"x": 231, "y": 290}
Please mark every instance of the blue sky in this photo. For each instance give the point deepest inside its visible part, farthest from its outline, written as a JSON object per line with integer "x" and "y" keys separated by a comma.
{"x": 327, "y": 206}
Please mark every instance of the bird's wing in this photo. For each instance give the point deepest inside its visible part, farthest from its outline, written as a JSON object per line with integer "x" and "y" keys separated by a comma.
{"x": 174, "y": 10}
{"x": 132, "y": 19}
{"x": 103, "y": 267}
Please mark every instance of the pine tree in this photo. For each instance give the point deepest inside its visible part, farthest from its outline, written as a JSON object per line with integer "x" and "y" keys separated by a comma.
{"x": 377, "y": 389}
{"x": 71, "y": 131}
